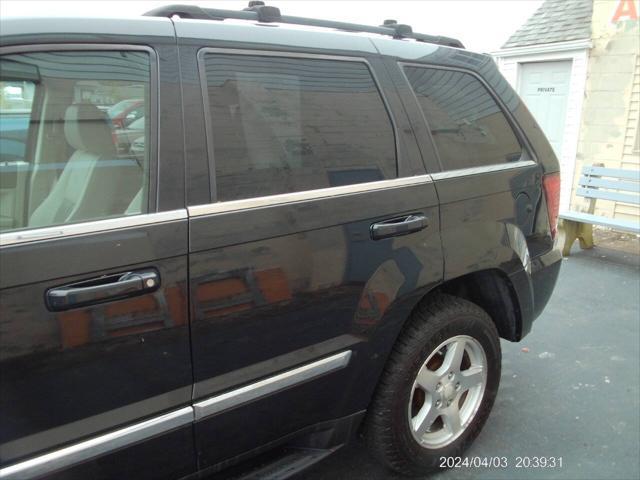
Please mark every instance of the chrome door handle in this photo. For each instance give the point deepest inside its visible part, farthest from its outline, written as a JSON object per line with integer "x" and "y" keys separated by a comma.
{"x": 399, "y": 226}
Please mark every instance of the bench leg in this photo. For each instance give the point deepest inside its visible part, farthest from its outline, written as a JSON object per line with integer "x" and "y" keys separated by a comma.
{"x": 585, "y": 235}
{"x": 575, "y": 230}
{"x": 569, "y": 230}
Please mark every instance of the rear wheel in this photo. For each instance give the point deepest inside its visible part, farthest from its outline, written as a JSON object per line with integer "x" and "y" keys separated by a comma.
{"x": 438, "y": 386}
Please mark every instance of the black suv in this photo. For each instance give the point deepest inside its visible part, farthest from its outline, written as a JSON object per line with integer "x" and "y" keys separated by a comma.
{"x": 234, "y": 240}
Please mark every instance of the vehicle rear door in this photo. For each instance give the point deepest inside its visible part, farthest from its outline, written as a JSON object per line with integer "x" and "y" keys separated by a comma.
{"x": 94, "y": 338}
{"x": 316, "y": 223}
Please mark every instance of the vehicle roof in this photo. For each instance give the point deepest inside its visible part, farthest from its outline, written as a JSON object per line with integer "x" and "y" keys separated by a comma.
{"x": 228, "y": 33}
{"x": 19, "y": 30}
{"x": 47, "y": 26}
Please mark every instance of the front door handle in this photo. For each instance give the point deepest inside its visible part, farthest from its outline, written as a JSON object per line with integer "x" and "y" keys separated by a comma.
{"x": 399, "y": 226}
{"x": 102, "y": 289}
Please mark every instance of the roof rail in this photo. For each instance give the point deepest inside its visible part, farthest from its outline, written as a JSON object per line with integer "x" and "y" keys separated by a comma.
{"x": 258, "y": 11}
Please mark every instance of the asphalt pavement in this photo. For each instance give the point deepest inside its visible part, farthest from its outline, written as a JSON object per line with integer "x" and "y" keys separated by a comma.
{"x": 570, "y": 389}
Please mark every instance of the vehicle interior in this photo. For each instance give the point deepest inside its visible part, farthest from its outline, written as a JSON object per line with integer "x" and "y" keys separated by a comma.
{"x": 62, "y": 157}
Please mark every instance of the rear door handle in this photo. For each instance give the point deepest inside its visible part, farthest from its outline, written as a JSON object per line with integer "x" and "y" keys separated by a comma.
{"x": 102, "y": 289}
{"x": 399, "y": 226}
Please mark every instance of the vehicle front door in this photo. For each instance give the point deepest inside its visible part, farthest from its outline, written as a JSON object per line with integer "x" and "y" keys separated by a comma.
{"x": 94, "y": 334}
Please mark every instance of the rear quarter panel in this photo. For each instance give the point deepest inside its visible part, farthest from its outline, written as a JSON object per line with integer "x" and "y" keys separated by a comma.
{"x": 488, "y": 216}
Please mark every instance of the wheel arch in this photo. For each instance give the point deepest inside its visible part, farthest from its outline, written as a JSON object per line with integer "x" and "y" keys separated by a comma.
{"x": 507, "y": 299}
{"x": 494, "y": 292}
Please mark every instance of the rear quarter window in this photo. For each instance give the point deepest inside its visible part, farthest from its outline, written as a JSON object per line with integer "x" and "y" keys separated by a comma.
{"x": 468, "y": 127}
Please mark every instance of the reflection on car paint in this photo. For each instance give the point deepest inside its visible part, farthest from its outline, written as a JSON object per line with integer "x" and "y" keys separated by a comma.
{"x": 134, "y": 316}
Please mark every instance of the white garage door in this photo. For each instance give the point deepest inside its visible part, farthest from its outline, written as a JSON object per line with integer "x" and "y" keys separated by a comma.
{"x": 544, "y": 87}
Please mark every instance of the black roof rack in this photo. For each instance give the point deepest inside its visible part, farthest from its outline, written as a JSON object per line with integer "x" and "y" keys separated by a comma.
{"x": 257, "y": 10}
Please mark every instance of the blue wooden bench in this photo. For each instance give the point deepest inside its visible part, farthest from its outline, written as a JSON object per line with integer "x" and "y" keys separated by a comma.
{"x": 596, "y": 182}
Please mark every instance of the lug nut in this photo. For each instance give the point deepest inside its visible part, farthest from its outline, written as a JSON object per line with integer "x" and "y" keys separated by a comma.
{"x": 438, "y": 403}
{"x": 438, "y": 387}
{"x": 450, "y": 375}
{"x": 458, "y": 386}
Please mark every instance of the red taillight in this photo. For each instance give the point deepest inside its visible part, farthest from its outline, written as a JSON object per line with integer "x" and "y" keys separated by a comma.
{"x": 551, "y": 185}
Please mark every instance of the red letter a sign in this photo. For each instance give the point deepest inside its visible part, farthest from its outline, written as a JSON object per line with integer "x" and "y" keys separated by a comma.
{"x": 626, "y": 10}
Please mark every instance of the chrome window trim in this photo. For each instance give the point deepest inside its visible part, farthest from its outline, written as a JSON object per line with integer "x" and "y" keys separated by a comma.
{"x": 323, "y": 193}
{"x": 294, "y": 197}
{"x": 94, "y": 447}
{"x": 464, "y": 172}
{"x": 96, "y": 226}
{"x": 515, "y": 127}
{"x": 278, "y": 53}
{"x": 270, "y": 385}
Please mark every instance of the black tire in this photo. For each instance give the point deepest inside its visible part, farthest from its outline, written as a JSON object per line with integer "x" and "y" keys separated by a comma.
{"x": 386, "y": 429}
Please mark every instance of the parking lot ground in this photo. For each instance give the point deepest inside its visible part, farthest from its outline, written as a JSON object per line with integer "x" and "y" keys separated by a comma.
{"x": 574, "y": 394}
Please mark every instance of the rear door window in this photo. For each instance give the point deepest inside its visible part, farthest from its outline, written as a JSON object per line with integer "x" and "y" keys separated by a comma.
{"x": 467, "y": 125}
{"x": 283, "y": 124}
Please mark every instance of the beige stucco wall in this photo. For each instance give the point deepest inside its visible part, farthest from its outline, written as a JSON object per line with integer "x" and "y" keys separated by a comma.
{"x": 611, "y": 104}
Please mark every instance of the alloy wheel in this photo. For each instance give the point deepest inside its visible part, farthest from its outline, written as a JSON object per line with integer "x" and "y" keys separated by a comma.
{"x": 447, "y": 391}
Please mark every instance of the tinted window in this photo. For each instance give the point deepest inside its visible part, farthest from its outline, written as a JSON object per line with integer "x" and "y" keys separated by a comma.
{"x": 64, "y": 156}
{"x": 122, "y": 106}
{"x": 16, "y": 100}
{"x": 287, "y": 124}
{"x": 467, "y": 125}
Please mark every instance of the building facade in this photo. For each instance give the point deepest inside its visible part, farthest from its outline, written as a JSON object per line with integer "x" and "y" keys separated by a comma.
{"x": 576, "y": 64}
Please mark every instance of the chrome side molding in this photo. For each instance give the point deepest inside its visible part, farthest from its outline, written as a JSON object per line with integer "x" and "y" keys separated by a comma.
{"x": 254, "y": 391}
{"x": 94, "y": 447}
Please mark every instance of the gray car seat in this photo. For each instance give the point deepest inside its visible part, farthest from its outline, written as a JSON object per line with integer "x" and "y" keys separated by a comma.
{"x": 94, "y": 183}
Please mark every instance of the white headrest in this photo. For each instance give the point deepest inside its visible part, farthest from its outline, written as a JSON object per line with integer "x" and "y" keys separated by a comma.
{"x": 87, "y": 128}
